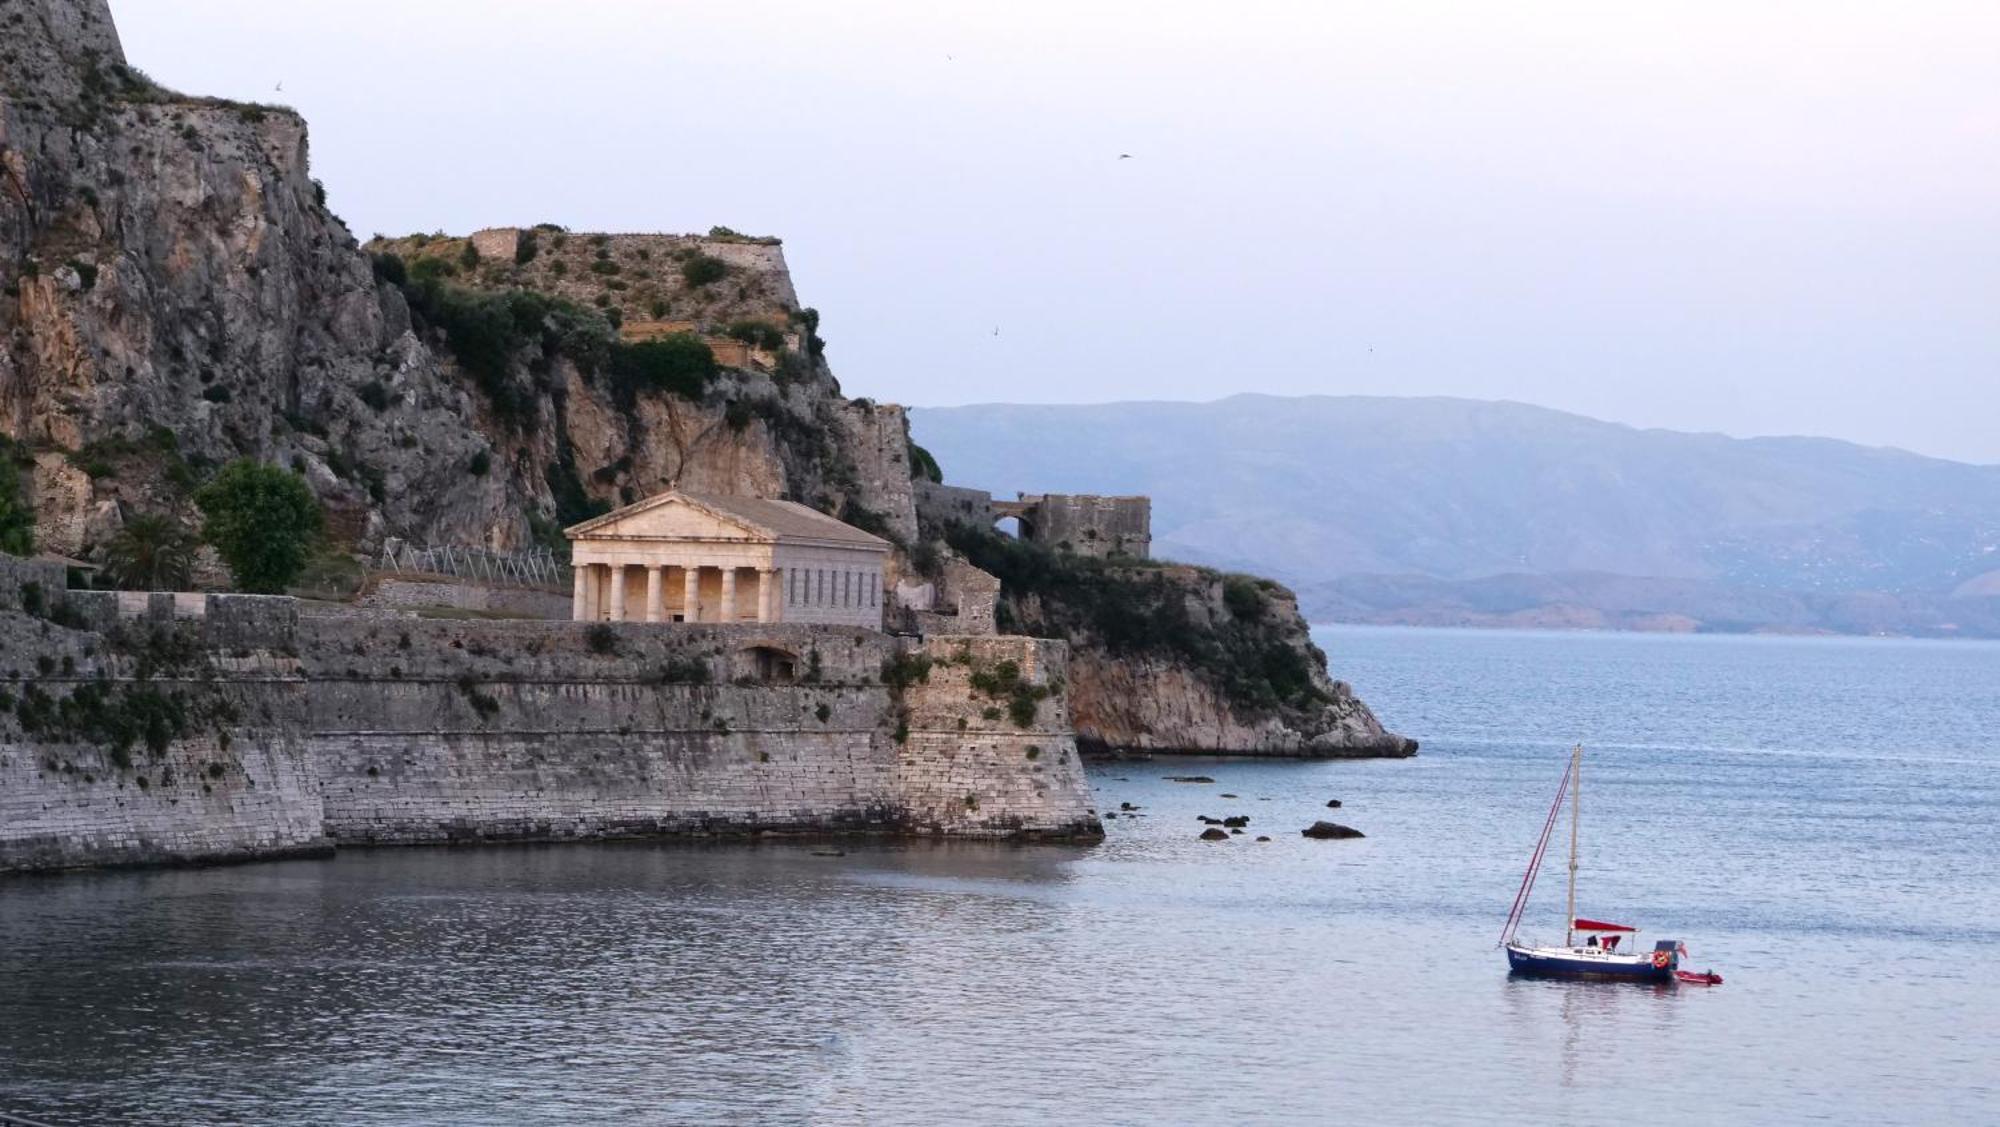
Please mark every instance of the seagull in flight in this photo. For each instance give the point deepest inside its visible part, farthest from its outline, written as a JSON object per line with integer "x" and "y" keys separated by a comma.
{"x": 281, "y": 88}
{"x": 1124, "y": 156}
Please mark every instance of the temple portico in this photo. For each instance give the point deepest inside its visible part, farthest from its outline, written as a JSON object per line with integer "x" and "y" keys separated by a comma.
{"x": 682, "y": 557}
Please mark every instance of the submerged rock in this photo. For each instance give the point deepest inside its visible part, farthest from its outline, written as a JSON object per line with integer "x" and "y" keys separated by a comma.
{"x": 1331, "y": 830}
{"x": 1213, "y": 834}
{"x": 1187, "y": 778}
{"x": 1333, "y": 804}
{"x": 1237, "y": 820}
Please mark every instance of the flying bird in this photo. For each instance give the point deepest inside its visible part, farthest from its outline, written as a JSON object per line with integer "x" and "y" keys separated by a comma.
{"x": 1124, "y": 156}
{"x": 280, "y": 87}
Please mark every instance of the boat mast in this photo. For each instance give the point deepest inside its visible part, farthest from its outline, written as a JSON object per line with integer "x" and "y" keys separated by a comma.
{"x": 1575, "y": 816}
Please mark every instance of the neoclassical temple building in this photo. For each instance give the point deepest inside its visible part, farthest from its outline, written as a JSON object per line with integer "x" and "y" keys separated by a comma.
{"x": 686, "y": 557}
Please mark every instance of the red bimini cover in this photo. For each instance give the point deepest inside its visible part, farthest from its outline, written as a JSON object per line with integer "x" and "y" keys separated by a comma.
{"x": 1600, "y": 925}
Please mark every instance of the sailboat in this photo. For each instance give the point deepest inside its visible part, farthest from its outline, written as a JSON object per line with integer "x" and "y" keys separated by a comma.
{"x": 1610, "y": 950}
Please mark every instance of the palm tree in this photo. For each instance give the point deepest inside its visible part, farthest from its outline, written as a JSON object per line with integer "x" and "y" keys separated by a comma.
{"x": 153, "y": 552}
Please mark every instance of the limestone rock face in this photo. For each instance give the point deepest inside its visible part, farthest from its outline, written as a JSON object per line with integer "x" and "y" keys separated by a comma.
{"x": 174, "y": 293}
{"x": 1149, "y": 704}
{"x": 1223, "y": 663}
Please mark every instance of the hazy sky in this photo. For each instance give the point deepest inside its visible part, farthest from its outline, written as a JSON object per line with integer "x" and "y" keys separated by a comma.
{"x": 1748, "y": 217}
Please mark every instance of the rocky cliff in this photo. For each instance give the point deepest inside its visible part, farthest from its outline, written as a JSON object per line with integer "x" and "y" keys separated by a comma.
{"x": 1175, "y": 658}
{"x": 175, "y": 293}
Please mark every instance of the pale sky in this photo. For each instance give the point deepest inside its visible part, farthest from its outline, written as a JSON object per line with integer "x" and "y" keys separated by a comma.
{"x": 1757, "y": 218}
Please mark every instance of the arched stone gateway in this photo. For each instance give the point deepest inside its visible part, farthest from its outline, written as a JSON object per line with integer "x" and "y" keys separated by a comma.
{"x": 767, "y": 663}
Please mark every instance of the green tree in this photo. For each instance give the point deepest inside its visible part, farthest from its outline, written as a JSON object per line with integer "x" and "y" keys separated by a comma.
{"x": 263, "y": 521}
{"x": 153, "y": 552}
{"x": 17, "y": 515}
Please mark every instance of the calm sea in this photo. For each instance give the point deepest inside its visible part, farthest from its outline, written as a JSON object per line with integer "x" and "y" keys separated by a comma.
{"x": 1819, "y": 820}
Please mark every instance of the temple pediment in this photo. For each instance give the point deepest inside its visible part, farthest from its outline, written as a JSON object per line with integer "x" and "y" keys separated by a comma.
{"x": 675, "y": 515}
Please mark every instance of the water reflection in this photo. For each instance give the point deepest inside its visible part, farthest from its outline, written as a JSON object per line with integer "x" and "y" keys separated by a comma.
{"x": 1157, "y": 978}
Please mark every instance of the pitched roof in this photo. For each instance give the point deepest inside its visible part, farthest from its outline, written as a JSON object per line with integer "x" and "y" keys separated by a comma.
{"x": 781, "y": 520}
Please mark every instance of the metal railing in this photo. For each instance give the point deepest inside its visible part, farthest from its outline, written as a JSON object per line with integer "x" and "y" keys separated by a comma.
{"x": 537, "y": 567}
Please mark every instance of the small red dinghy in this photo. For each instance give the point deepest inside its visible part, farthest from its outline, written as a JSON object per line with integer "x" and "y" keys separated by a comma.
{"x": 1709, "y": 978}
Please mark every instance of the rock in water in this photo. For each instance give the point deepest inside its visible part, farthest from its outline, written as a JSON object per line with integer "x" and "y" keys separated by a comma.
{"x": 1213, "y": 834}
{"x": 1187, "y": 778}
{"x": 1235, "y": 820}
{"x": 1333, "y": 804}
{"x": 1331, "y": 830}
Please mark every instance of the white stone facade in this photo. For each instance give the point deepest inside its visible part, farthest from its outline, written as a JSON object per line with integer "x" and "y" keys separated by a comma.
{"x": 682, "y": 557}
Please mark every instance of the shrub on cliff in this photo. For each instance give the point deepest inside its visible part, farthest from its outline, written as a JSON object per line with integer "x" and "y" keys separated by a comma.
{"x": 758, "y": 334}
{"x": 924, "y": 467}
{"x": 1243, "y": 598}
{"x": 263, "y": 521}
{"x": 703, "y": 269}
{"x": 680, "y": 364}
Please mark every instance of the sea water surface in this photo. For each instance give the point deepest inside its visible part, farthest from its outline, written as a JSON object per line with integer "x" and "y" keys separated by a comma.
{"x": 1819, "y": 820}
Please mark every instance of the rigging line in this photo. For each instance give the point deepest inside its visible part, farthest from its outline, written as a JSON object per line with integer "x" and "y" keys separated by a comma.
{"x": 1535, "y": 861}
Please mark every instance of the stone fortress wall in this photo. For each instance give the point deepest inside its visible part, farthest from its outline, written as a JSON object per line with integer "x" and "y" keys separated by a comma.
{"x": 396, "y": 592}
{"x": 1085, "y": 524}
{"x": 359, "y": 728}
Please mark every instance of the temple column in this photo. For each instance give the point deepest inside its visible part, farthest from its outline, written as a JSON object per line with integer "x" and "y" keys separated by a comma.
{"x": 767, "y": 595}
{"x": 593, "y": 591}
{"x": 728, "y": 594}
{"x": 617, "y": 577}
{"x": 691, "y": 594}
{"x": 579, "y": 592}
{"x": 656, "y": 603}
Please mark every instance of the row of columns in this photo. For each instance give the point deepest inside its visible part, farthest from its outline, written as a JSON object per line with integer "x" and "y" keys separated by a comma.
{"x": 590, "y": 580}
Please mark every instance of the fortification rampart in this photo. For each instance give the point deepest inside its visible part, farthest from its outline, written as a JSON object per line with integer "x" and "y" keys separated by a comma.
{"x": 990, "y": 748}
{"x": 152, "y": 728}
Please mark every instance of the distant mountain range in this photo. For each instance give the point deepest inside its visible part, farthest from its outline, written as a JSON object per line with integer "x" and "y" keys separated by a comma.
{"x": 1465, "y": 512}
